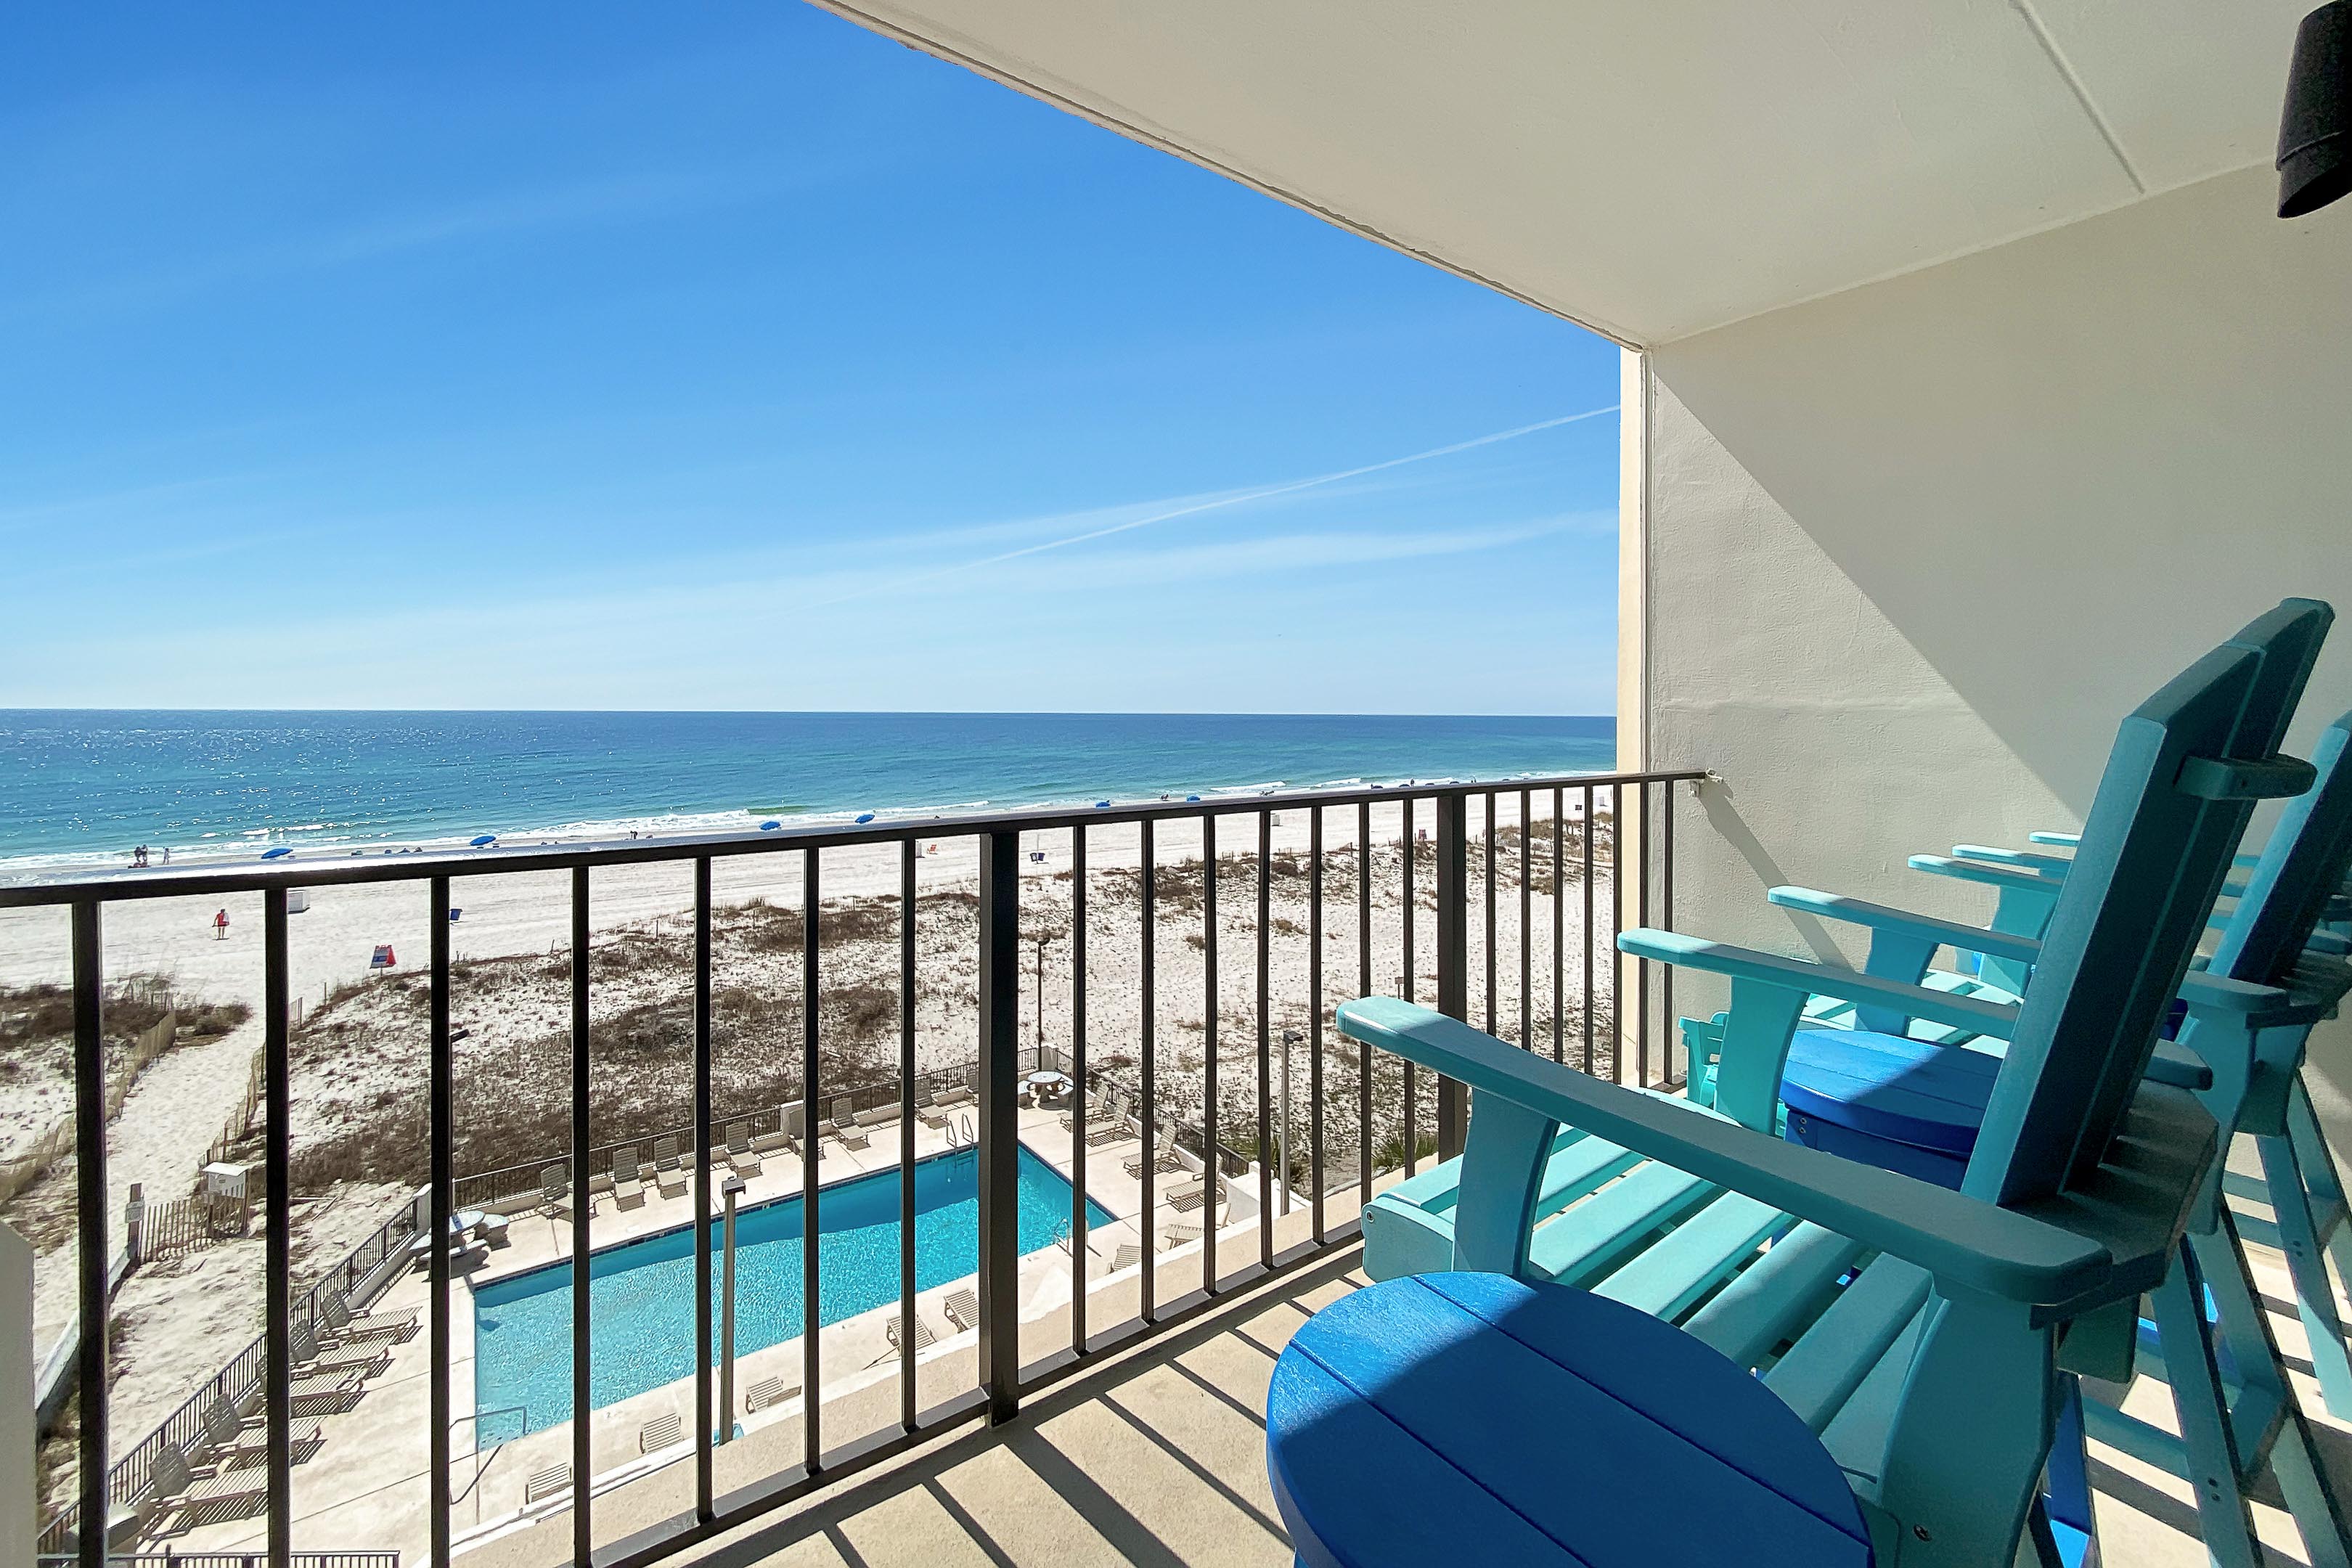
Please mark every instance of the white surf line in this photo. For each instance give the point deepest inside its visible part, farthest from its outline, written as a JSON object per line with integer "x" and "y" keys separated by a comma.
{"x": 1242, "y": 497}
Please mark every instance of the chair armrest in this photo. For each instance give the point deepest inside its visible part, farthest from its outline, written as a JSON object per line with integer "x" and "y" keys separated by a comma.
{"x": 1991, "y": 876}
{"x": 1883, "y": 917}
{"x": 1965, "y": 1243}
{"x": 2176, "y": 1065}
{"x": 2052, "y": 865}
{"x": 2212, "y": 993}
{"x": 2062, "y": 840}
{"x": 1821, "y": 980}
{"x": 2328, "y": 942}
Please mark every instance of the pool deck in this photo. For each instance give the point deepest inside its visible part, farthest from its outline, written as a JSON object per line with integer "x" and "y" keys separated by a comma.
{"x": 363, "y": 1487}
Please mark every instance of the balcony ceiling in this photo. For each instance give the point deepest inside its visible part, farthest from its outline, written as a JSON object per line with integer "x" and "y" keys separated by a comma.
{"x": 1656, "y": 170}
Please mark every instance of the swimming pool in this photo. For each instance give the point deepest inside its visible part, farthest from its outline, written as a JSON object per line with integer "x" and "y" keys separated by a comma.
{"x": 641, "y": 1293}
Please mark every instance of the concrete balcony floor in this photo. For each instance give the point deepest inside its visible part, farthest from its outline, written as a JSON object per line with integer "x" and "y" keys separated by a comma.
{"x": 1153, "y": 1456}
{"x": 1157, "y": 1458}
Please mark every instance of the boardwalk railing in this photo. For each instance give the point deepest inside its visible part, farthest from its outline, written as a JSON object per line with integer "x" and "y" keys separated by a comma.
{"x": 1438, "y": 884}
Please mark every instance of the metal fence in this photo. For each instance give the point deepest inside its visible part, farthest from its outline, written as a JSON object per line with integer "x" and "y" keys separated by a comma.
{"x": 229, "y": 1560}
{"x": 1433, "y": 860}
{"x": 358, "y": 1278}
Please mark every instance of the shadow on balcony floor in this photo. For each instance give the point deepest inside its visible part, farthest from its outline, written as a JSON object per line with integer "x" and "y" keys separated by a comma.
{"x": 1158, "y": 1459}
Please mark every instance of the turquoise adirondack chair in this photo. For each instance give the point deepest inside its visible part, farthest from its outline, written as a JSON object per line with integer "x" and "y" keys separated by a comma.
{"x": 1913, "y": 1329}
{"x": 2291, "y": 887}
{"x": 2227, "y": 1434}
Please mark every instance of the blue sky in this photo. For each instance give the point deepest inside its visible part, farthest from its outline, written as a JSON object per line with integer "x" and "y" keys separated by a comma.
{"x": 726, "y": 357}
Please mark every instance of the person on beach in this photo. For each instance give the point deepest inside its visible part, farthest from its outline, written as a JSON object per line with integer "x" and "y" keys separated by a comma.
{"x": 220, "y": 926}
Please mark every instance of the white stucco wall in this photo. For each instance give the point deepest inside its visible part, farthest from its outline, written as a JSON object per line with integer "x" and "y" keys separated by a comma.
{"x": 1911, "y": 551}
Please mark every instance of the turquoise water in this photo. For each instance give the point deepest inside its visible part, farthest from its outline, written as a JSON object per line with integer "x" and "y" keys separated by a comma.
{"x": 641, "y": 1294}
{"x": 85, "y": 786}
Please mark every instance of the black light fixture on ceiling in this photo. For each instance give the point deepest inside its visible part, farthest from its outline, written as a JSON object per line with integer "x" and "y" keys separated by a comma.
{"x": 2315, "y": 155}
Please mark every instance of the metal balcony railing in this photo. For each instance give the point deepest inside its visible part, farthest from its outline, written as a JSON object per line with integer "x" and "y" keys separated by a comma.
{"x": 1597, "y": 1040}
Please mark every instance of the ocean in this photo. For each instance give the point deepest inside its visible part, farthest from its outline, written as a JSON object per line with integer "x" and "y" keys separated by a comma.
{"x": 82, "y": 787}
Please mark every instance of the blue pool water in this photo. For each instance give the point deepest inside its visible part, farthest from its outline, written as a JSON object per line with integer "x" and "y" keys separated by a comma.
{"x": 641, "y": 1294}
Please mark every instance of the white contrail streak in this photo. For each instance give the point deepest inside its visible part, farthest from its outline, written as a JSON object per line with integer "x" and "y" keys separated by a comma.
{"x": 1239, "y": 499}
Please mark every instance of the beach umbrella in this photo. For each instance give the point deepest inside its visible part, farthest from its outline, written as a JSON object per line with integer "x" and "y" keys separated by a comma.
{"x": 485, "y": 838}
{"x": 769, "y": 827}
{"x": 869, "y": 816}
{"x": 1191, "y": 800}
{"x": 277, "y": 853}
{"x": 1102, "y": 806}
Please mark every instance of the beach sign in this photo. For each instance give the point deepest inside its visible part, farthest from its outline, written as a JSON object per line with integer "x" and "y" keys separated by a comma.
{"x": 382, "y": 958}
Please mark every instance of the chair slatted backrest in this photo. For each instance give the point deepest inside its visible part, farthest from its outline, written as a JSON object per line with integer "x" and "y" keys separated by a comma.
{"x": 2302, "y": 866}
{"x": 2179, "y": 785}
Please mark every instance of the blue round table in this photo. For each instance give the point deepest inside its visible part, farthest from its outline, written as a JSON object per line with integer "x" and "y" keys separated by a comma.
{"x": 1471, "y": 1419}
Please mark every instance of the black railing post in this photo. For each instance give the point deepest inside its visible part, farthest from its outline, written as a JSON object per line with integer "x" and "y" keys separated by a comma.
{"x": 278, "y": 1381}
{"x": 708, "y": 1422}
{"x": 439, "y": 1120}
{"x": 583, "y": 1538}
{"x": 90, "y": 1165}
{"x": 1453, "y": 956}
{"x": 999, "y": 1131}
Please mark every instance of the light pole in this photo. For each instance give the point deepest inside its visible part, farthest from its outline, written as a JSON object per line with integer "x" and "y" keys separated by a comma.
{"x": 733, "y": 1188}
{"x": 1290, "y": 1039}
{"x": 1041, "y": 999}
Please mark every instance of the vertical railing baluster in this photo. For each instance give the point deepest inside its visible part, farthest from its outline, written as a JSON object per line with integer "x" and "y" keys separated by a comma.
{"x": 907, "y": 1390}
{"x": 1454, "y": 949}
{"x": 1146, "y": 1031}
{"x": 1000, "y": 1128}
{"x": 89, "y": 1196}
{"x": 1264, "y": 1053}
{"x": 1078, "y": 1089}
{"x": 1315, "y": 1017}
{"x": 709, "y": 1422}
{"x": 1666, "y": 918}
{"x": 1363, "y": 988}
{"x": 1212, "y": 1168}
{"x": 1616, "y": 924}
{"x": 440, "y": 1137}
{"x": 1405, "y": 991}
{"x": 1587, "y": 941}
{"x": 583, "y": 1538}
{"x": 1642, "y": 916}
{"x": 1558, "y": 921}
{"x": 1526, "y": 956}
{"x": 812, "y": 1276}
{"x": 1489, "y": 930}
{"x": 278, "y": 1252}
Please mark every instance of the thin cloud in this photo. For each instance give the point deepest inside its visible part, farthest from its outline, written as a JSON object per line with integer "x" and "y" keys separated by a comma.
{"x": 1235, "y": 498}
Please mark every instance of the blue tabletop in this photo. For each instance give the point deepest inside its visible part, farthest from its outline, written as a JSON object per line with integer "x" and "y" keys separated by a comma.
{"x": 1460, "y": 1418}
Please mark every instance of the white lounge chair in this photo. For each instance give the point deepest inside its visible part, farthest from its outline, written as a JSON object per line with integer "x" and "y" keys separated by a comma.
{"x": 555, "y": 1192}
{"x": 628, "y": 1178}
{"x": 670, "y": 1169}
{"x": 227, "y": 1494}
{"x": 1165, "y": 1159}
{"x": 962, "y": 1309}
